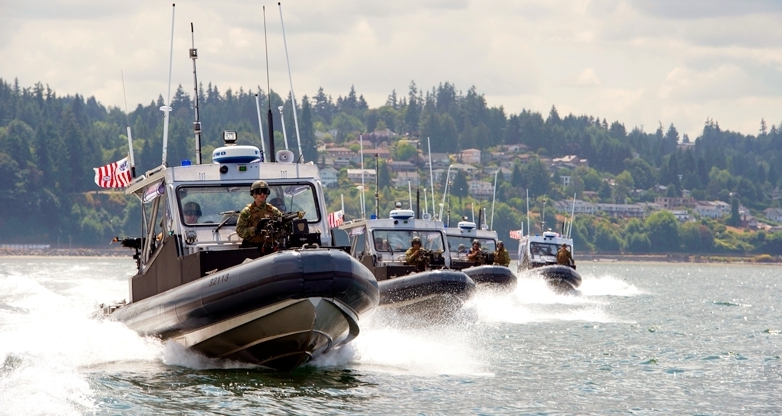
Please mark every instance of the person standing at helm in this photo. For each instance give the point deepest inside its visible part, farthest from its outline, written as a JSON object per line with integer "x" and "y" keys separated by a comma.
{"x": 250, "y": 224}
{"x": 564, "y": 257}
{"x": 415, "y": 255}
{"x": 476, "y": 255}
{"x": 501, "y": 255}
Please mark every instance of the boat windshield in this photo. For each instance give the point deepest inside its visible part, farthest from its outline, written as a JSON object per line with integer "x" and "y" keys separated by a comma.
{"x": 210, "y": 204}
{"x": 400, "y": 240}
{"x": 460, "y": 245}
{"x": 543, "y": 249}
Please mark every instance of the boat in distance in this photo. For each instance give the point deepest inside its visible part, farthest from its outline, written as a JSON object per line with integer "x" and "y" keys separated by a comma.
{"x": 428, "y": 287}
{"x": 199, "y": 286}
{"x": 460, "y": 238}
{"x": 539, "y": 253}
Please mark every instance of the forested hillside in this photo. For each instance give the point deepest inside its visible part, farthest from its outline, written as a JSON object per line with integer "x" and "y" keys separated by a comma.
{"x": 49, "y": 145}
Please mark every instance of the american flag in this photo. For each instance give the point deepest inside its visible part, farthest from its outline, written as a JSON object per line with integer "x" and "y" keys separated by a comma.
{"x": 515, "y": 234}
{"x": 113, "y": 175}
{"x": 336, "y": 219}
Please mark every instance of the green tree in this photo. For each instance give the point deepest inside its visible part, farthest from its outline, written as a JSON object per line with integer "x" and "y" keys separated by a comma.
{"x": 663, "y": 231}
{"x": 460, "y": 188}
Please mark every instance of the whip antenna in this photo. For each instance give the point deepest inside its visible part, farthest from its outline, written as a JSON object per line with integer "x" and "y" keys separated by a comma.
{"x": 260, "y": 125}
{"x": 268, "y": 88}
{"x": 166, "y": 109}
{"x": 127, "y": 121}
{"x": 293, "y": 96}
{"x": 197, "y": 122}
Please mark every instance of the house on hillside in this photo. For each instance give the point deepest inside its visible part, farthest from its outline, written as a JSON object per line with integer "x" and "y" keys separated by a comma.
{"x": 355, "y": 176}
{"x": 668, "y": 202}
{"x": 328, "y": 177}
{"x": 340, "y": 157}
{"x": 470, "y": 156}
{"x": 569, "y": 162}
{"x": 403, "y": 178}
{"x": 480, "y": 189}
{"x": 773, "y": 214}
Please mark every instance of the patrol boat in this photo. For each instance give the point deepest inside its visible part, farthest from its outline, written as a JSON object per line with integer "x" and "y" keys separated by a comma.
{"x": 539, "y": 252}
{"x": 460, "y": 240}
{"x": 380, "y": 244}
{"x": 197, "y": 286}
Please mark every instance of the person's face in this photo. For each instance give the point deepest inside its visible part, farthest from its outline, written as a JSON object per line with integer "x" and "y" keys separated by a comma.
{"x": 260, "y": 195}
{"x": 191, "y": 216}
{"x": 416, "y": 245}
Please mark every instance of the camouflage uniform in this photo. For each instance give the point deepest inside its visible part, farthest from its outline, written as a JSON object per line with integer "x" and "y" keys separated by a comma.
{"x": 249, "y": 218}
{"x": 416, "y": 258}
{"x": 564, "y": 257}
{"x": 502, "y": 257}
{"x": 478, "y": 257}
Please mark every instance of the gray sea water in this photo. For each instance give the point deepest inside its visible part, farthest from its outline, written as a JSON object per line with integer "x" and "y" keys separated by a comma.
{"x": 639, "y": 338}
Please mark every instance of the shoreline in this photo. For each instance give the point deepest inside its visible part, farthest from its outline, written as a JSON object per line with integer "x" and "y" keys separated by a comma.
{"x": 590, "y": 258}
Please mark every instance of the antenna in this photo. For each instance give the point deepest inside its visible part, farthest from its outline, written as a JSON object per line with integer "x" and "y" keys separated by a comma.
{"x": 363, "y": 204}
{"x": 377, "y": 186}
{"x": 431, "y": 176}
{"x": 127, "y": 121}
{"x": 197, "y": 122}
{"x": 260, "y": 126}
{"x": 290, "y": 78}
{"x": 282, "y": 121}
{"x": 166, "y": 109}
{"x": 493, "y": 198}
{"x": 410, "y": 194}
{"x": 268, "y": 88}
{"x": 445, "y": 193}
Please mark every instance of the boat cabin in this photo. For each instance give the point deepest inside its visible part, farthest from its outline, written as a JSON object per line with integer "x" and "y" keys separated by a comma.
{"x": 189, "y": 214}
{"x": 460, "y": 241}
{"x": 541, "y": 250}
{"x": 381, "y": 243}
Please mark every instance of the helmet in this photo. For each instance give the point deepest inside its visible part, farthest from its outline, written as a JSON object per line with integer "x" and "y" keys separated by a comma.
{"x": 564, "y": 245}
{"x": 416, "y": 239}
{"x": 192, "y": 206}
{"x": 500, "y": 243}
{"x": 258, "y": 185}
{"x": 476, "y": 242}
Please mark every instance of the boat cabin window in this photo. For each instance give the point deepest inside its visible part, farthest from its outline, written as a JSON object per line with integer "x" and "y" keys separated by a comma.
{"x": 399, "y": 240}
{"x": 460, "y": 245}
{"x": 211, "y": 204}
{"x": 544, "y": 249}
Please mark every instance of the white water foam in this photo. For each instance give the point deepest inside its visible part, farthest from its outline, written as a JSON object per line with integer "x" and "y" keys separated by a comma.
{"x": 47, "y": 337}
{"x": 388, "y": 343}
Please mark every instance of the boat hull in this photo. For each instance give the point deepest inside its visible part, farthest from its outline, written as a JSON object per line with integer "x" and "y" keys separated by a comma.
{"x": 434, "y": 292}
{"x": 561, "y": 278}
{"x": 492, "y": 275}
{"x": 277, "y": 311}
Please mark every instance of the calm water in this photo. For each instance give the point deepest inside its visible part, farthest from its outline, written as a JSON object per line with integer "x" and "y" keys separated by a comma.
{"x": 640, "y": 338}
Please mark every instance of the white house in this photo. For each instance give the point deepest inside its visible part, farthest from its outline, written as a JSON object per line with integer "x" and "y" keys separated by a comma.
{"x": 328, "y": 177}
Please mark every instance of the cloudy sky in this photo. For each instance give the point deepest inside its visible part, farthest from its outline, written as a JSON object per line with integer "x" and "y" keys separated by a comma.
{"x": 641, "y": 62}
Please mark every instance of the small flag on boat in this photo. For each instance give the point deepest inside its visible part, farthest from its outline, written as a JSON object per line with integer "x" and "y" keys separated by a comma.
{"x": 515, "y": 234}
{"x": 113, "y": 175}
{"x": 335, "y": 219}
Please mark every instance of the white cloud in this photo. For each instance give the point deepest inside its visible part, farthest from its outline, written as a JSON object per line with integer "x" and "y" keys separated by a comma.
{"x": 658, "y": 61}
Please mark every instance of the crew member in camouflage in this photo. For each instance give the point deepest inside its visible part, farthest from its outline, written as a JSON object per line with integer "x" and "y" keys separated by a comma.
{"x": 249, "y": 219}
{"x": 501, "y": 255}
{"x": 564, "y": 257}
{"x": 476, "y": 255}
{"x": 415, "y": 255}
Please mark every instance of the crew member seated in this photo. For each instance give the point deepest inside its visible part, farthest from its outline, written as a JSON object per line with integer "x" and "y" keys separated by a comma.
{"x": 476, "y": 255}
{"x": 254, "y": 219}
{"x": 415, "y": 255}
{"x": 191, "y": 212}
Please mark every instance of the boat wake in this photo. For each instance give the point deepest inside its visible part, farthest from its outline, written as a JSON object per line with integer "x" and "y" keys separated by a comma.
{"x": 394, "y": 346}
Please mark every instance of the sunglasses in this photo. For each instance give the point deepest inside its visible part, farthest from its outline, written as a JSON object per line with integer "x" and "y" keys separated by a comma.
{"x": 192, "y": 213}
{"x": 262, "y": 191}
